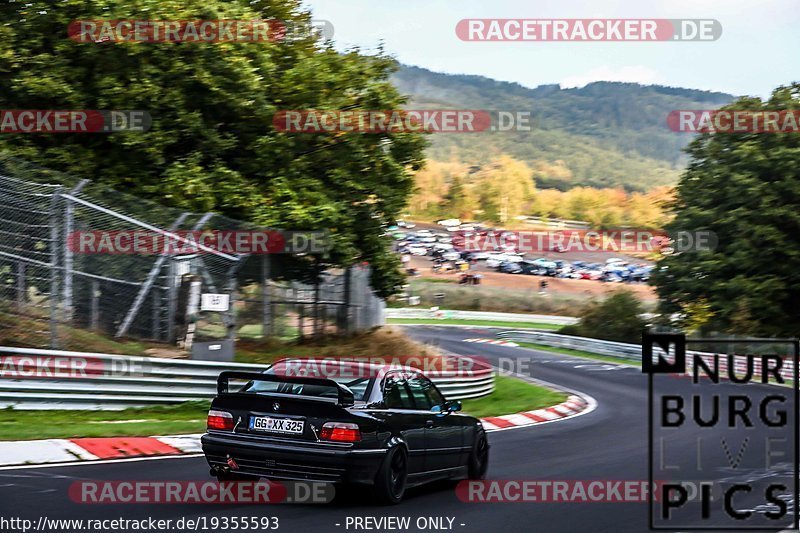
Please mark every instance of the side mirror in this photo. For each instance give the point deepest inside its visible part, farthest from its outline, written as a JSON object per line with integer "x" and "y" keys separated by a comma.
{"x": 452, "y": 406}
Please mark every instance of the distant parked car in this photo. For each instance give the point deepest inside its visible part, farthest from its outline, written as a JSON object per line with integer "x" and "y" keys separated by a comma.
{"x": 590, "y": 274}
{"x": 510, "y": 268}
{"x": 545, "y": 263}
{"x": 494, "y": 259}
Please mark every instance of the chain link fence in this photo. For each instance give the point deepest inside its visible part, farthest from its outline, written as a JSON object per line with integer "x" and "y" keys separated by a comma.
{"x": 53, "y": 293}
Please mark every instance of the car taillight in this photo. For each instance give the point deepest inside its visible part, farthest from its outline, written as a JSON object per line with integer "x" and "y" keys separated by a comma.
{"x": 340, "y": 432}
{"x": 220, "y": 420}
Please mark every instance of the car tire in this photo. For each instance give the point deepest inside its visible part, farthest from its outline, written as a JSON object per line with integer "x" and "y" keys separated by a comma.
{"x": 390, "y": 482}
{"x": 479, "y": 458}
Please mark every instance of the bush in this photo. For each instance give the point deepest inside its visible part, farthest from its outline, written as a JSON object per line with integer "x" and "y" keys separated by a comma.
{"x": 615, "y": 319}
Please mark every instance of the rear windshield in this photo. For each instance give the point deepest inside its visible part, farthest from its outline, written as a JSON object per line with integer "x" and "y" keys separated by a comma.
{"x": 359, "y": 387}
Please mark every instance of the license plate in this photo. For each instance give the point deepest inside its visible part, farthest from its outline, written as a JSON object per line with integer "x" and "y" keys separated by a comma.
{"x": 276, "y": 425}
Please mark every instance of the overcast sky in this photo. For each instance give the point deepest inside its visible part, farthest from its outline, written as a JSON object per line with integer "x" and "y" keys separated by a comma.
{"x": 758, "y": 49}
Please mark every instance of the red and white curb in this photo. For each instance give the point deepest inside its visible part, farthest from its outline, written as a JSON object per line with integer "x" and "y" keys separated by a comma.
{"x": 574, "y": 405}
{"x": 493, "y": 341}
{"x": 94, "y": 449}
{"x": 38, "y": 452}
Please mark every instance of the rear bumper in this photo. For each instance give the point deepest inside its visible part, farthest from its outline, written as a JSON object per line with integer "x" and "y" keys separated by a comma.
{"x": 300, "y": 462}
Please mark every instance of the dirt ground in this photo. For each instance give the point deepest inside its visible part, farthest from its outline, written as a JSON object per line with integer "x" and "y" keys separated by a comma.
{"x": 554, "y": 285}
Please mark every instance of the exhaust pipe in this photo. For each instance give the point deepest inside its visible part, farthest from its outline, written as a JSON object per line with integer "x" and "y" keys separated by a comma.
{"x": 216, "y": 470}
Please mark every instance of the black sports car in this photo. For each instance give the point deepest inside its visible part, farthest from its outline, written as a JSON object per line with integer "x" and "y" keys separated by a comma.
{"x": 388, "y": 427}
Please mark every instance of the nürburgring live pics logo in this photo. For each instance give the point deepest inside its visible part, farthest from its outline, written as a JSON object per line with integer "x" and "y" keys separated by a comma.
{"x": 722, "y": 439}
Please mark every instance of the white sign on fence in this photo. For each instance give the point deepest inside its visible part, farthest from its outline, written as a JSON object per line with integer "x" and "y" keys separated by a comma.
{"x": 215, "y": 302}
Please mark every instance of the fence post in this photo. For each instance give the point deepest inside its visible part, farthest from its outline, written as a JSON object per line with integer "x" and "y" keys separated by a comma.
{"x": 317, "y": 325}
{"x": 54, "y": 291}
{"x": 233, "y": 287}
{"x": 156, "y": 318}
{"x": 151, "y": 278}
{"x": 172, "y": 301}
{"x": 266, "y": 320}
{"x": 21, "y": 283}
{"x": 345, "y": 322}
{"x": 300, "y": 326}
{"x": 95, "y": 320}
{"x": 69, "y": 222}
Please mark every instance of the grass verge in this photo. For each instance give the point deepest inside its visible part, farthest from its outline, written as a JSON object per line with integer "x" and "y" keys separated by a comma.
{"x": 512, "y": 395}
{"x": 467, "y": 322}
{"x": 189, "y": 417}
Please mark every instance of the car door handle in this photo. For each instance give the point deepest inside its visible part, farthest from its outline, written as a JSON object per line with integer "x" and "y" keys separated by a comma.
{"x": 429, "y": 423}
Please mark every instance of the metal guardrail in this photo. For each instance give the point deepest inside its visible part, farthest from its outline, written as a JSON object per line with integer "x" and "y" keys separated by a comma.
{"x": 411, "y": 313}
{"x": 55, "y": 379}
{"x": 612, "y": 349}
{"x": 621, "y": 350}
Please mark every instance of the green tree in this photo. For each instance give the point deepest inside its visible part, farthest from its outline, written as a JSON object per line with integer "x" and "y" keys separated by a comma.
{"x": 212, "y": 145}
{"x": 744, "y": 188}
{"x": 615, "y": 319}
{"x": 457, "y": 201}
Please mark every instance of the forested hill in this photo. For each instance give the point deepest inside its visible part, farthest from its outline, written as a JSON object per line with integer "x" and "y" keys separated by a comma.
{"x": 605, "y": 134}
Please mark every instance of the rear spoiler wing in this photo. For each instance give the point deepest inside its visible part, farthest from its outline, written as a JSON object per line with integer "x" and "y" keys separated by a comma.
{"x": 346, "y": 398}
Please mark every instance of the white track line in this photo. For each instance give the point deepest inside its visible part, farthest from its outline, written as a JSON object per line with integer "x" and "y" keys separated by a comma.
{"x": 101, "y": 462}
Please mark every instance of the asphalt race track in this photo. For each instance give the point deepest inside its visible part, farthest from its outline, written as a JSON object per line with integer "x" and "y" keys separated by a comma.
{"x": 609, "y": 443}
